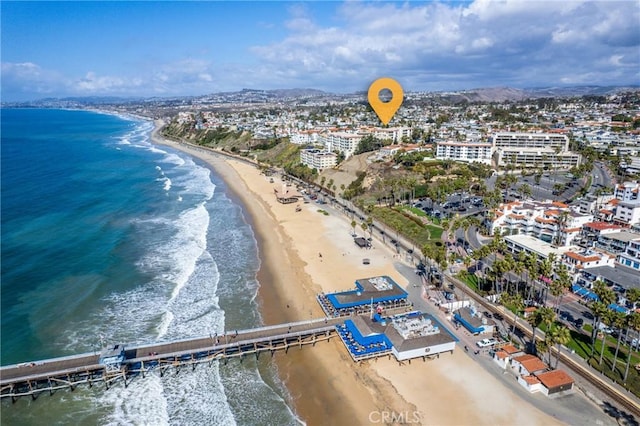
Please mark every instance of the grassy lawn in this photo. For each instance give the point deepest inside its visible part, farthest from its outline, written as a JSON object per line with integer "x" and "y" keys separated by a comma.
{"x": 415, "y": 211}
{"x": 407, "y": 227}
{"x": 470, "y": 280}
{"x": 581, "y": 344}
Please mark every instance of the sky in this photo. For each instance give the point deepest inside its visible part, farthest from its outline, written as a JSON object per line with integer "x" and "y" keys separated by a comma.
{"x": 165, "y": 49}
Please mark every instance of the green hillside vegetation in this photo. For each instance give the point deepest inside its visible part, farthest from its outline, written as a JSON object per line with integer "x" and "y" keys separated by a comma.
{"x": 287, "y": 156}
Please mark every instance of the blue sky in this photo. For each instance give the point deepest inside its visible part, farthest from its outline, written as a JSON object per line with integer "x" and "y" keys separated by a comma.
{"x": 194, "y": 48}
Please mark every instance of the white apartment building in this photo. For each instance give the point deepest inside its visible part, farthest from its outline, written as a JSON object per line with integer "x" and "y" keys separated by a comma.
{"x": 577, "y": 260}
{"x": 627, "y": 191}
{"x": 480, "y": 152}
{"x": 394, "y": 134}
{"x": 630, "y": 257}
{"x": 530, "y": 245}
{"x": 318, "y": 159}
{"x": 344, "y": 142}
{"x": 549, "y": 150}
{"x": 627, "y": 213}
{"x": 552, "y": 222}
{"x": 304, "y": 137}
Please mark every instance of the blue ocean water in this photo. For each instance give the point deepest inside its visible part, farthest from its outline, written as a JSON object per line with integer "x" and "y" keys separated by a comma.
{"x": 108, "y": 237}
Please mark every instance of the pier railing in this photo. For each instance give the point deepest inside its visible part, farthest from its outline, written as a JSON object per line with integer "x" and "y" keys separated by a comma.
{"x": 49, "y": 376}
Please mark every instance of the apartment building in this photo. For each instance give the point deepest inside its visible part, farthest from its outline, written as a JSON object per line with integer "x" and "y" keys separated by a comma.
{"x": 552, "y": 222}
{"x": 531, "y": 245}
{"x": 318, "y": 159}
{"x": 630, "y": 257}
{"x": 627, "y": 213}
{"x": 305, "y": 137}
{"x": 344, "y": 142}
{"x": 581, "y": 259}
{"x": 616, "y": 242}
{"x": 394, "y": 134}
{"x": 627, "y": 191}
{"x": 479, "y": 152}
{"x": 547, "y": 150}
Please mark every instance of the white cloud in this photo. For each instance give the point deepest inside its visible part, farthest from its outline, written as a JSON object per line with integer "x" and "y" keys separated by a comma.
{"x": 521, "y": 43}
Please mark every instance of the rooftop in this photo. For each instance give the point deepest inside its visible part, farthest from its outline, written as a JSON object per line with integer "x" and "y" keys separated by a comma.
{"x": 625, "y": 277}
{"x": 555, "y": 378}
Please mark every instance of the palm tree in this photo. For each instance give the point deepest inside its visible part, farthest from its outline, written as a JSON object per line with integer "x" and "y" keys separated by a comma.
{"x": 542, "y": 315}
{"x": 606, "y": 319}
{"x": 634, "y": 324}
{"x": 561, "y": 336}
{"x": 598, "y": 309}
{"x": 542, "y": 346}
{"x": 606, "y": 297}
{"x": 563, "y": 280}
{"x": 618, "y": 320}
{"x": 353, "y": 225}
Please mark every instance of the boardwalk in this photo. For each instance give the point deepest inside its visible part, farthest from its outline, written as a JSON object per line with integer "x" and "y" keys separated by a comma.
{"x": 67, "y": 372}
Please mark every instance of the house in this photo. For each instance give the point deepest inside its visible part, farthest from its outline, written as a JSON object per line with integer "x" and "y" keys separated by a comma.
{"x": 530, "y": 383}
{"x": 525, "y": 365}
{"x": 503, "y": 356}
{"x": 555, "y": 382}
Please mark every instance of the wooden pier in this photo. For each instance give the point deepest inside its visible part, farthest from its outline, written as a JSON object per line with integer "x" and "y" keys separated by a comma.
{"x": 48, "y": 376}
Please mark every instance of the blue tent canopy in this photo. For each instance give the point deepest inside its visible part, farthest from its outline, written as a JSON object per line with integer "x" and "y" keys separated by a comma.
{"x": 618, "y": 308}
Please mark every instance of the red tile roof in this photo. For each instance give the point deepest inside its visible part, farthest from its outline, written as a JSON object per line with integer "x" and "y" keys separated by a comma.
{"x": 531, "y": 380}
{"x": 555, "y": 378}
{"x": 531, "y": 363}
{"x": 599, "y": 226}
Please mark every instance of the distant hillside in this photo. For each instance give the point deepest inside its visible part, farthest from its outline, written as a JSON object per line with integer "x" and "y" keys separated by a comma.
{"x": 502, "y": 94}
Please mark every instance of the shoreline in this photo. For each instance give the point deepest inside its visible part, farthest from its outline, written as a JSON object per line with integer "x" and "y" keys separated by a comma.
{"x": 300, "y": 367}
{"x": 325, "y": 385}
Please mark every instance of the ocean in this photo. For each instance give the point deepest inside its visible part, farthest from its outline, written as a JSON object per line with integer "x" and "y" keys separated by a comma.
{"x": 108, "y": 238}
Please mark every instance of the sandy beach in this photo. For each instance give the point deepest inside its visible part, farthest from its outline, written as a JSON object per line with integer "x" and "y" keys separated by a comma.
{"x": 306, "y": 252}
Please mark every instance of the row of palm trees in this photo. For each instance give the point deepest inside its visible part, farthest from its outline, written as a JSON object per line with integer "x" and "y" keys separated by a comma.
{"x": 624, "y": 323}
{"x": 552, "y": 278}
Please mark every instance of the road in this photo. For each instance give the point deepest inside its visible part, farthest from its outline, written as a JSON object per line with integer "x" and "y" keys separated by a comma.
{"x": 570, "y": 409}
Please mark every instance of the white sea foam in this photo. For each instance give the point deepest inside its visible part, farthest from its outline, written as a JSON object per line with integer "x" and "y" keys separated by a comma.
{"x": 167, "y": 184}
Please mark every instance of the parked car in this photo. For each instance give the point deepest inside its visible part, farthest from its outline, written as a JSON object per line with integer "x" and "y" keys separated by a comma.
{"x": 486, "y": 343}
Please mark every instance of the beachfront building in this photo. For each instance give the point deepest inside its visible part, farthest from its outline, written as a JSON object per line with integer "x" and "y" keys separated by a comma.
{"x": 469, "y": 152}
{"x": 616, "y": 242}
{"x": 379, "y": 292}
{"x": 505, "y": 354}
{"x": 406, "y": 336}
{"x": 474, "y": 321}
{"x": 549, "y": 221}
{"x": 318, "y": 159}
{"x": 591, "y": 232}
{"x": 344, "y": 142}
{"x": 546, "y": 150}
{"x": 555, "y": 382}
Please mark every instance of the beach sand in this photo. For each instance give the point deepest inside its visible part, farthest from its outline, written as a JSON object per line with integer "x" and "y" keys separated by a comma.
{"x": 326, "y": 386}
